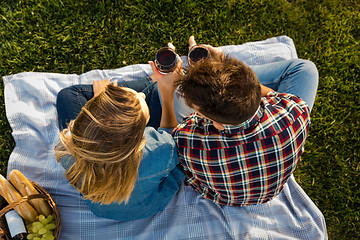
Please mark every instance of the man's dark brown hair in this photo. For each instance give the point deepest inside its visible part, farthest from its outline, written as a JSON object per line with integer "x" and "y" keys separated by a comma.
{"x": 223, "y": 88}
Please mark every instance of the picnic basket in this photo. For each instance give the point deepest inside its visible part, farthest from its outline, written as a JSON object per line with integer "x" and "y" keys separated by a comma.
{"x": 5, "y": 207}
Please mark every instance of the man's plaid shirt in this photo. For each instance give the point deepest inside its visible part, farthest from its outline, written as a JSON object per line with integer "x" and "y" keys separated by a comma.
{"x": 248, "y": 163}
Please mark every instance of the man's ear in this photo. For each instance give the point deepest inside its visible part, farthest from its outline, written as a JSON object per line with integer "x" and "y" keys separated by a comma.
{"x": 218, "y": 126}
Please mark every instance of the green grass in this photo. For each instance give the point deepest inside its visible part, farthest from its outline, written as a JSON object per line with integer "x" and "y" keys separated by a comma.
{"x": 74, "y": 36}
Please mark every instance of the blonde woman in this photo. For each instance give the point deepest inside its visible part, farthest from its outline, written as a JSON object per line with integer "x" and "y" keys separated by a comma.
{"x": 113, "y": 155}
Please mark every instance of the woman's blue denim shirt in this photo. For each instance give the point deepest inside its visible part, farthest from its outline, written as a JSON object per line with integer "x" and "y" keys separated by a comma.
{"x": 158, "y": 180}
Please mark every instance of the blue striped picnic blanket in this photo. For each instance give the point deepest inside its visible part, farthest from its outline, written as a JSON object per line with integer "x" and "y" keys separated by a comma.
{"x": 30, "y": 107}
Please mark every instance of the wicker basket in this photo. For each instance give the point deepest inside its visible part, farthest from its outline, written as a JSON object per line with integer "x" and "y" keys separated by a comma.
{"x": 5, "y": 207}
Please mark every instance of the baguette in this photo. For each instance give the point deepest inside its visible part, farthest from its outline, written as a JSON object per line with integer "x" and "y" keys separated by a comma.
{"x": 26, "y": 211}
{"x": 25, "y": 187}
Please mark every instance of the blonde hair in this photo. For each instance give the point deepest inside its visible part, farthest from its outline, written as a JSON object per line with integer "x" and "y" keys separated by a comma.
{"x": 106, "y": 140}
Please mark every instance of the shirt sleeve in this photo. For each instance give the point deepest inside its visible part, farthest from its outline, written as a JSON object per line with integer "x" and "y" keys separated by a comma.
{"x": 290, "y": 97}
{"x": 293, "y": 111}
{"x": 159, "y": 154}
{"x": 168, "y": 130}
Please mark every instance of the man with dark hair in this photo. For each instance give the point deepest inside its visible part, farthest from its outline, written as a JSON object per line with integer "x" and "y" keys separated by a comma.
{"x": 244, "y": 140}
{"x": 223, "y": 89}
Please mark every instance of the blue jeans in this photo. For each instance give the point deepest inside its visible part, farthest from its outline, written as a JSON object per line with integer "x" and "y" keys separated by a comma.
{"x": 297, "y": 76}
{"x": 70, "y": 100}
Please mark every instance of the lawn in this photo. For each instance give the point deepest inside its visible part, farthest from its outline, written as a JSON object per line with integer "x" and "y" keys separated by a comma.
{"x": 75, "y": 36}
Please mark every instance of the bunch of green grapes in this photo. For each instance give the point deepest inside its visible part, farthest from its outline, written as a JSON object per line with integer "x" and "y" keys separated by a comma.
{"x": 42, "y": 229}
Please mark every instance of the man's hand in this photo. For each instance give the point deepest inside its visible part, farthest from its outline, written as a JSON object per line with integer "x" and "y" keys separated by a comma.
{"x": 191, "y": 42}
{"x": 213, "y": 51}
{"x": 265, "y": 90}
{"x": 100, "y": 85}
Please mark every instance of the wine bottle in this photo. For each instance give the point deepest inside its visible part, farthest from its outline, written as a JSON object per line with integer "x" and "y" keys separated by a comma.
{"x": 16, "y": 225}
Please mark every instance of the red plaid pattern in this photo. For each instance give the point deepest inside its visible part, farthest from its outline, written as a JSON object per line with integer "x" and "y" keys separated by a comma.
{"x": 248, "y": 163}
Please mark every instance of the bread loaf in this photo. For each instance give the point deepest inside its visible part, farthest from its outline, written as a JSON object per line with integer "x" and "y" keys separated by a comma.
{"x": 25, "y": 187}
{"x": 26, "y": 211}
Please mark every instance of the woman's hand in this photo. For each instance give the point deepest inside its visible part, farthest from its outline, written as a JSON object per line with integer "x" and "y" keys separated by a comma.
{"x": 166, "y": 84}
{"x": 100, "y": 85}
{"x": 167, "y": 81}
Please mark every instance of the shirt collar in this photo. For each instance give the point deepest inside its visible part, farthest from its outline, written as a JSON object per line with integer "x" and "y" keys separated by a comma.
{"x": 251, "y": 122}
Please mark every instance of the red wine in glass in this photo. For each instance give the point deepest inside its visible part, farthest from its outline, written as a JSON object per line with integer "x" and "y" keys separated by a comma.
{"x": 165, "y": 60}
{"x": 196, "y": 53}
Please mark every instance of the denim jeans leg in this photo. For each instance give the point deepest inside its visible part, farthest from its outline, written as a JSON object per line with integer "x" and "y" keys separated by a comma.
{"x": 153, "y": 101}
{"x": 296, "y": 76}
{"x": 69, "y": 102}
{"x": 137, "y": 85}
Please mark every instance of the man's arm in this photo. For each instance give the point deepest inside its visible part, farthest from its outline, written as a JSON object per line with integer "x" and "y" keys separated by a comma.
{"x": 265, "y": 90}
